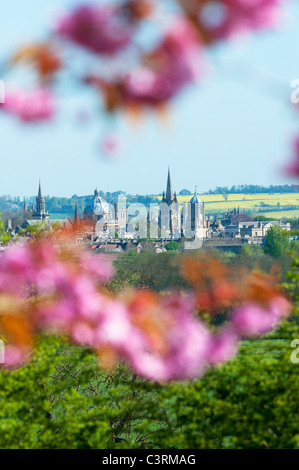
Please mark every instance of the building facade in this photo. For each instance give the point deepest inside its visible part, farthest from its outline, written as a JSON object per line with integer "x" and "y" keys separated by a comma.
{"x": 110, "y": 220}
{"x": 176, "y": 221}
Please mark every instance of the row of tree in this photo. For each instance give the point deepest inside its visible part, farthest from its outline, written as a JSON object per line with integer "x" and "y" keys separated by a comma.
{"x": 255, "y": 189}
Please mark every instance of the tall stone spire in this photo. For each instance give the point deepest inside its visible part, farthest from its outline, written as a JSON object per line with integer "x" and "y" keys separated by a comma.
{"x": 40, "y": 201}
{"x": 39, "y": 210}
{"x": 39, "y": 191}
{"x": 169, "y": 193}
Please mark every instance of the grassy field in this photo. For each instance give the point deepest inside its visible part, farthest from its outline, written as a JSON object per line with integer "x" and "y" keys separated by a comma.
{"x": 292, "y": 214}
{"x": 264, "y": 204}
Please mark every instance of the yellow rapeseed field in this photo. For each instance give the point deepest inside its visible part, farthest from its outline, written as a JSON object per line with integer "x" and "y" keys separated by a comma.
{"x": 256, "y": 203}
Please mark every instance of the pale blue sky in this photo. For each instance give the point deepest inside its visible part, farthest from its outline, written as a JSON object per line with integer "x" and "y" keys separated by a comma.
{"x": 235, "y": 128}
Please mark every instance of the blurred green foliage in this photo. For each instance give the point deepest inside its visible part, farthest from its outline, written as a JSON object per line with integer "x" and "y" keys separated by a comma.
{"x": 276, "y": 242}
{"x": 4, "y": 237}
{"x": 148, "y": 269}
{"x": 173, "y": 246}
{"x": 64, "y": 398}
{"x": 250, "y": 402}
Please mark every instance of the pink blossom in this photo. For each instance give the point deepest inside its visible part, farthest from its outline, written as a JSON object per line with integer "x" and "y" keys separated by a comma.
{"x": 280, "y": 307}
{"x": 292, "y": 169}
{"x": 175, "y": 63}
{"x": 188, "y": 354}
{"x": 186, "y": 348}
{"x": 16, "y": 270}
{"x": 14, "y": 356}
{"x": 115, "y": 328}
{"x": 150, "y": 366}
{"x": 50, "y": 276}
{"x": 112, "y": 145}
{"x": 226, "y": 18}
{"x": 223, "y": 346}
{"x": 32, "y": 106}
{"x": 102, "y": 30}
{"x": 253, "y": 319}
{"x": 99, "y": 266}
{"x": 17, "y": 262}
{"x": 59, "y": 316}
{"x": 83, "y": 333}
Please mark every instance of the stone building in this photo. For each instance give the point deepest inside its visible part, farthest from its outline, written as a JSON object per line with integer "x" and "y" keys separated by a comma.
{"x": 194, "y": 221}
{"x": 39, "y": 211}
{"x": 189, "y": 221}
{"x": 234, "y": 216}
{"x": 97, "y": 208}
{"x": 252, "y": 230}
{"x": 108, "y": 219}
{"x": 170, "y": 213}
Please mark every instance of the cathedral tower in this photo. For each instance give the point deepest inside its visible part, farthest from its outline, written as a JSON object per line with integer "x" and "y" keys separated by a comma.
{"x": 40, "y": 206}
{"x": 170, "y": 218}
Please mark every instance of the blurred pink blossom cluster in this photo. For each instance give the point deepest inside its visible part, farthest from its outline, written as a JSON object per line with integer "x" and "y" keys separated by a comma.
{"x": 100, "y": 29}
{"x": 158, "y": 335}
{"x": 175, "y": 63}
{"x": 292, "y": 169}
{"x": 149, "y": 77}
{"x": 33, "y": 106}
{"x": 253, "y": 319}
{"x": 65, "y": 285}
{"x": 222, "y": 19}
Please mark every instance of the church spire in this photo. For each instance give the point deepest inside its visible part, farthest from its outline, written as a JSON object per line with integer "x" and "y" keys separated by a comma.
{"x": 169, "y": 193}
{"x": 40, "y": 209}
{"x": 39, "y": 191}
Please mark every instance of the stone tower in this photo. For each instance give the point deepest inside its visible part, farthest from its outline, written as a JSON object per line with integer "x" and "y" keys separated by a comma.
{"x": 40, "y": 201}
{"x": 197, "y": 213}
{"x": 40, "y": 212}
{"x": 194, "y": 221}
{"x": 170, "y": 218}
